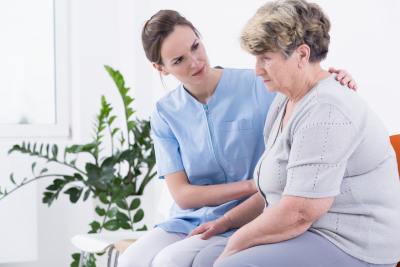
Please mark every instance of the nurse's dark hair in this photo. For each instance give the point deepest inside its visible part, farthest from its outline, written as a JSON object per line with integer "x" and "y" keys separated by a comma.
{"x": 157, "y": 28}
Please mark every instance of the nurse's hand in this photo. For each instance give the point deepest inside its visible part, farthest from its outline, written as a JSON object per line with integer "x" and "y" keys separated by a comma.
{"x": 344, "y": 78}
{"x": 212, "y": 228}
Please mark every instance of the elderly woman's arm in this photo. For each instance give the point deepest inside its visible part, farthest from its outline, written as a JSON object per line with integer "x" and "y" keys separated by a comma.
{"x": 289, "y": 218}
{"x": 235, "y": 218}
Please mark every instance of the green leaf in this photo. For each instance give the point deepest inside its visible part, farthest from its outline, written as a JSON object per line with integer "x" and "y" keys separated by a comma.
{"x": 121, "y": 204}
{"x": 128, "y": 190}
{"x": 100, "y": 211}
{"x": 112, "y": 212}
{"x": 41, "y": 148}
{"x": 0, "y": 191}
{"x": 12, "y": 178}
{"x": 43, "y": 171}
{"x": 114, "y": 131}
{"x": 74, "y": 193}
{"x": 93, "y": 173}
{"x": 47, "y": 150}
{"x": 95, "y": 226}
{"x": 112, "y": 225}
{"x": 144, "y": 228}
{"x": 131, "y": 125}
{"x": 34, "y": 148}
{"x": 55, "y": 151}
{"x": 72, "y": 162}
{"x": 23, "y": 181}
{"x": 76, "y": 256}
{"x": 33, "y": 167}
{"x": 116, "y": 193}
{"x": 138, "y": 216}
{"x": 87, "y": 193}
{"x": 29, "y": 146}
{"x": 134, "y": 204}
{"x": 122, "y": 216}
{"x": 78, "y": 176}
{"x": 103, "y": 198}
{"x": 112, "y": 118}
{"x": 125, "y": 225}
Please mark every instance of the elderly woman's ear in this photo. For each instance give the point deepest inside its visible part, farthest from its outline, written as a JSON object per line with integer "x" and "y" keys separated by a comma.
{"x": 303, "y": 51}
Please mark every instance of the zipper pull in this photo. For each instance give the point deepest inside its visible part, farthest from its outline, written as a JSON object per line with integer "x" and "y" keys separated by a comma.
{"x": 205, "y": 109}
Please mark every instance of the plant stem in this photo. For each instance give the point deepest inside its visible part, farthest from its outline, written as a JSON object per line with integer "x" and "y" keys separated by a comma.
{"x": 129, "y": 213}
{"x": 105, "y": 217}
{"x": 146, "y": 179}
{"x": 66, "y": 164}
{"x": 34, "y": 179}
{"x": 112, "y": 139}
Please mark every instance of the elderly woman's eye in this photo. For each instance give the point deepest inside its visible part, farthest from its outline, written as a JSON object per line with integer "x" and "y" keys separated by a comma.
{"x": 195, "y": 46}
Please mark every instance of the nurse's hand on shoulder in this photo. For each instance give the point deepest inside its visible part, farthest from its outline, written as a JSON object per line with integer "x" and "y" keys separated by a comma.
{"x": 344, "y": 78}
{"x": 209, "y": 229}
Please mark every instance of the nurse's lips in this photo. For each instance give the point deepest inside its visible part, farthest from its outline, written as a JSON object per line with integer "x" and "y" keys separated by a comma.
{"x": 200, "y": 72}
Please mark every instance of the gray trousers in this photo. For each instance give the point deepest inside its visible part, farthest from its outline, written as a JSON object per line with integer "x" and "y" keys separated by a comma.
{"x": 307, "y": 250}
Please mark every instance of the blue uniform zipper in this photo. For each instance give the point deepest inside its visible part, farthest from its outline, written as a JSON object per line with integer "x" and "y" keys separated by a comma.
{"x": 215, "y": 150}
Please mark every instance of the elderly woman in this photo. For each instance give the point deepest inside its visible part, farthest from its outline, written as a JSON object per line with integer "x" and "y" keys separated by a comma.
{"x": 329, "y": 191}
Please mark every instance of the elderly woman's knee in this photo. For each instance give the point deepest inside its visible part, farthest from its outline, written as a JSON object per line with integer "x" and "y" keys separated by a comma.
{"x": 167, "y": 257}
{"x": 203, "y": 259}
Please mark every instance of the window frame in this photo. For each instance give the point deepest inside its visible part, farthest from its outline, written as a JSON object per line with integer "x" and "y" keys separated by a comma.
{"x": 61, "y": 129}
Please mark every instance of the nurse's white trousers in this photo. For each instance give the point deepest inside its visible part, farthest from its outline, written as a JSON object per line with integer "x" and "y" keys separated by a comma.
{"x": 159, "y": 248}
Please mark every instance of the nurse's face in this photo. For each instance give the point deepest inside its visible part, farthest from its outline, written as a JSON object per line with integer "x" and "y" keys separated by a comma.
{"x": 184, "y": 56}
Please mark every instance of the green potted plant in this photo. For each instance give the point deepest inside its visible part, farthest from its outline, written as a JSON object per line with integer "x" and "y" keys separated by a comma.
{"x": 102, "y": 175}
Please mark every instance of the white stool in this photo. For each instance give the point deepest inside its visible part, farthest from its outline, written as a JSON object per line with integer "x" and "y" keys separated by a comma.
{"x": 99, "y": 243}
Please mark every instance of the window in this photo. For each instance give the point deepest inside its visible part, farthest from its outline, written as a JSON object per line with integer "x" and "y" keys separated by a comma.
{"x": 34, "y": 98}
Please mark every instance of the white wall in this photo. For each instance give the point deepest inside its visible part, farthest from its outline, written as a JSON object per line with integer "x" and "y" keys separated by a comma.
{"x": 365, "y": 37}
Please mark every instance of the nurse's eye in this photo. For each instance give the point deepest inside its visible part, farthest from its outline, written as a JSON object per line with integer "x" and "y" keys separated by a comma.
{"x": 178, "y": 61}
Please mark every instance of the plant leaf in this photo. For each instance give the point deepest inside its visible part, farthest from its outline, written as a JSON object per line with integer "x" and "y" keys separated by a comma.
{"x": 87, "y": 193}
{"x": 144, "y": 228}
{"x": 93, "y": 173}
{"x": 23, "y": 181}
{"x": 43, "y": 171}
{"x": 100, "y": 211}
{"x": 112, "y": 118}
{"x": 74, "y": 193}
{"x": 55, "y": 151}
{"x": 112, "y": 212}
{"x": 12, "y": 178}
{"x": 138, "y": 216}
{"x": 41, "y": 148}
{"x": 125, "y": 225}
{"x": 103, "y": 198}
{"x": 134, "y": 204}
{"x": 128, "y": 190}
{"x": 114, "y": 131}
{"x": 95, "y": 225}
{"x": 122, "y": 216}
{"x": 33, "y": 168}
{"x": 111, "y": 225}
{"x": 121, "y": 204}
{"x": 47, "y": 150}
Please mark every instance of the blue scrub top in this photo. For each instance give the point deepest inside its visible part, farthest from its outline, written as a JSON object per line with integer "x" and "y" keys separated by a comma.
{"x": 216, "y": 143}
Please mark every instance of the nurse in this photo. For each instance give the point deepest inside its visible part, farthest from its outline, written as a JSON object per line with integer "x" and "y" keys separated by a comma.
{"x": 208, "y": 136}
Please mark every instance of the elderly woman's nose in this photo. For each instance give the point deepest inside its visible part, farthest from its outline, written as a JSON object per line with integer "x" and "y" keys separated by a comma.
{"x": 259, "y": 69}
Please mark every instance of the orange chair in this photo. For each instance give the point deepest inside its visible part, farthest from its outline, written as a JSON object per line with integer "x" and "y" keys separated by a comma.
{"x": 395, "y": 140}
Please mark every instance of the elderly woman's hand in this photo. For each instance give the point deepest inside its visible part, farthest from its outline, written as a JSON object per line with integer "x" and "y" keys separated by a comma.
{"x": 212, "y": 228}
{"x": 344, "y": 77}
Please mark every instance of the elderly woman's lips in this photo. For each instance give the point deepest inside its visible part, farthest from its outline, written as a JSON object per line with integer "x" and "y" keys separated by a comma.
{"x": 266, "y": 81}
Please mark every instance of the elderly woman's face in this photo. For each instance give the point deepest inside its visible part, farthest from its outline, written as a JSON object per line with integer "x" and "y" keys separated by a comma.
{"x": 277, "y": 72}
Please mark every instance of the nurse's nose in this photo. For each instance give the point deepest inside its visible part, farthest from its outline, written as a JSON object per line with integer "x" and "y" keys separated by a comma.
{"x": 259, "y": 69}
{"x": 194, "y": 63}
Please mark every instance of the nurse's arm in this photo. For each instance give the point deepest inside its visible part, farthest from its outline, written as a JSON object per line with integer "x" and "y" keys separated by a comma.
{"x": 188, "y": 196}
{"x": 287, "y": 219}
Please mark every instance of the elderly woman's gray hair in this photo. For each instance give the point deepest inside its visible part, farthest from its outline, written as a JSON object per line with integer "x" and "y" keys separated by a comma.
{"x": 284, "y": 25}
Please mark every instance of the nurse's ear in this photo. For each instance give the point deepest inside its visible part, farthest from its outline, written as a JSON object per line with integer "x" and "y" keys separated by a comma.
{"x": 160, "y": 68}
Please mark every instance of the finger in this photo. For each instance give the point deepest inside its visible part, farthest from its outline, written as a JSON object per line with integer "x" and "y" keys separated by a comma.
{"x": 332, "y": 70}
{"x": 355, "y": 87}
{"x": 341, "y": 74}
{"x": 351, "y": 84}
{"x": 346, "y": 79}
{"x": 209, "y": 233}
{"x": 197, "y": 231}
